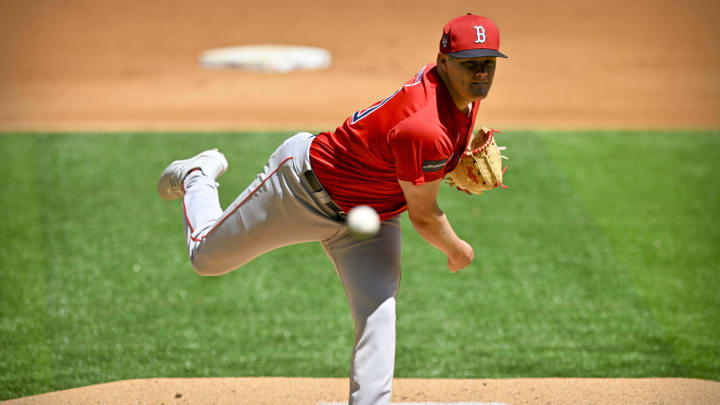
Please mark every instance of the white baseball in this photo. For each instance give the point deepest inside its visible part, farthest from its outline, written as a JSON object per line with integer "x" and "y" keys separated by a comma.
{"x": 363, "y": 221}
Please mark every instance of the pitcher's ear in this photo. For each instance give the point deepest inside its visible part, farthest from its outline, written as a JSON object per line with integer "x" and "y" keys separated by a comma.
{"x": 442, "y": 60}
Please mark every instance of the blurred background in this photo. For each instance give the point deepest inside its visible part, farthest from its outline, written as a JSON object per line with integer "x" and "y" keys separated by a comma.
{"x": 103, "y": 65}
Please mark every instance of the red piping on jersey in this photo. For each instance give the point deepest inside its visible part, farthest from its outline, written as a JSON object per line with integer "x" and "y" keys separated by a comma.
{"x": 222, "y": 219}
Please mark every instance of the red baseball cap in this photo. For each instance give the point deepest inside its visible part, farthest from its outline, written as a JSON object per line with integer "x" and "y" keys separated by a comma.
{"x": 471, "y": 36}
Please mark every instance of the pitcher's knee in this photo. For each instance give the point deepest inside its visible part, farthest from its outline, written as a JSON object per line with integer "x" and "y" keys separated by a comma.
{"x": 207, "y": 267}
{"x": 204, "y": 270}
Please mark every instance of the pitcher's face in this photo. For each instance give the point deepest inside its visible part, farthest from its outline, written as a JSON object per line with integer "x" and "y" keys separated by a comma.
{"x": 470, "y": 78}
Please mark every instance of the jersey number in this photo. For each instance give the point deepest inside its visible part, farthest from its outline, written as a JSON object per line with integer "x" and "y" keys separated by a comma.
{"x": 358, "y": 115}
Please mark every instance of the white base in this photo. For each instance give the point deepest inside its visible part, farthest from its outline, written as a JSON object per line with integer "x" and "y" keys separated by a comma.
{"x": 267, "y": 58}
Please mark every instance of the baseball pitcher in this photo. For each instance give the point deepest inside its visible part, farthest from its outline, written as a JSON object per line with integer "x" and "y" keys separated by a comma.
{"x": 392, "y": 157}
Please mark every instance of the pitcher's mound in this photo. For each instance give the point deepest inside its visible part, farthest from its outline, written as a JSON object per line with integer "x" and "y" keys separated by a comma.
{"x": 315, "y": 391}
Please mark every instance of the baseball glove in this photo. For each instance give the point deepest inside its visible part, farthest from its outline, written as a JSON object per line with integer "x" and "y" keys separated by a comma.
{"x": 480, "y": 168}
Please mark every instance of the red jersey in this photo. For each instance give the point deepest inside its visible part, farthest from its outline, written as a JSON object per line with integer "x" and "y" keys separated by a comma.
{"x": 417, "y": 135}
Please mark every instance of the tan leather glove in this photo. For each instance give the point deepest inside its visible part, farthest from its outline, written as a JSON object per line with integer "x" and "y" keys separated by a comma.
{"x": 480, "y": 168}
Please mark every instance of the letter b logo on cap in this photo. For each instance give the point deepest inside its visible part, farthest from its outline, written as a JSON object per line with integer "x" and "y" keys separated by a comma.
{"x": 471, "y": 36}
{"x": 480, "y": 32}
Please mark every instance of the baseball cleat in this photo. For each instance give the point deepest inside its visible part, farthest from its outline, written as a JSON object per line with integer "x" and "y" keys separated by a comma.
{"x": 211, "y": 162}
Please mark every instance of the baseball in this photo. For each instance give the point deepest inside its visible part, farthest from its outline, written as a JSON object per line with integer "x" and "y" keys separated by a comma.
{"x": 363, "y": 221}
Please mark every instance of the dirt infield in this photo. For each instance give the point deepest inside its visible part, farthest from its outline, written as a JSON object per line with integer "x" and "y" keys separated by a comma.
{"x": 315, "y": 391}
{"x": 133, "y": 65}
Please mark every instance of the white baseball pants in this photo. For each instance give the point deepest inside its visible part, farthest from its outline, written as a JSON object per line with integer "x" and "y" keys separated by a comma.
{"x": 277, "y": 210}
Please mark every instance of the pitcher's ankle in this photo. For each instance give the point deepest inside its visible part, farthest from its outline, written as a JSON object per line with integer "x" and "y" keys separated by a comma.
{"x": 191, "y": 177}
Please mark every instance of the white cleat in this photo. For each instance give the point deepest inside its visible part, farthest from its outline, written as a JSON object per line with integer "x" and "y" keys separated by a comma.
{"x": 211, "y": 162}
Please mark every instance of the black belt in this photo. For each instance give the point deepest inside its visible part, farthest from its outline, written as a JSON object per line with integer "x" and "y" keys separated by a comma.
{"x": 325, "y": 199}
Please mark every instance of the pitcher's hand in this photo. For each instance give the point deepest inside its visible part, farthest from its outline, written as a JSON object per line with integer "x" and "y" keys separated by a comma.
{"x": 462, "y": 258}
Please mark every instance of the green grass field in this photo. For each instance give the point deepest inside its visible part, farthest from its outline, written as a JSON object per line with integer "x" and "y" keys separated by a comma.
{"x": 602, "y": 259}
